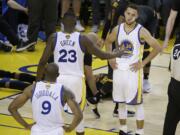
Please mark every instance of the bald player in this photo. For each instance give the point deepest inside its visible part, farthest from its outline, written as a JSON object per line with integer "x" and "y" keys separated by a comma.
{"x": 68, "y": 48}
{"x": 48, "y": 98}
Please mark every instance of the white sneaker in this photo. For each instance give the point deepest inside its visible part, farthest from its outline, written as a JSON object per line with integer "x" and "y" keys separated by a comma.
{"x": 79, "y": 27}
{"x": 94, "y": 28}
{"x": 146, "y": 86}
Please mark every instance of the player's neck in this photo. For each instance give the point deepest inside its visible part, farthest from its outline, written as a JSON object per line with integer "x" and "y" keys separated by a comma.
{"x": 68, "y": 30}
{"x": 130, "y": 26}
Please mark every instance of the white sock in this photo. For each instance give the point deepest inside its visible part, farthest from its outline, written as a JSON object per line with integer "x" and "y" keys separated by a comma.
{"x": 140, "y": 131}
{"x": 123, "y": 128}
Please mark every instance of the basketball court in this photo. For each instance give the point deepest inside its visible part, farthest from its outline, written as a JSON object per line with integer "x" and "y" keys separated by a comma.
{"x": 154, "y": 103}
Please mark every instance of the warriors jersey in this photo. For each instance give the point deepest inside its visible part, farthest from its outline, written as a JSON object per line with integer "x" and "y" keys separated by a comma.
{"x": 132, "y": 42}
{"x": 68, "y": 54}
{"x": 47, "y": 106}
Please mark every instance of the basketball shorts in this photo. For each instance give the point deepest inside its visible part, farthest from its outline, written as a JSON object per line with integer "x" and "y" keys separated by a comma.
{"x": 57, "y": 131}
{"x": 76, "y": 85}
{"x": 127, "y": 86}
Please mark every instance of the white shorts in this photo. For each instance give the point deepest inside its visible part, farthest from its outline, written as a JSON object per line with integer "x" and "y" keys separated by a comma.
{"x": 76, "y": 85}
{"x": 57, "y": 131}
{"x": 127, "y": 86}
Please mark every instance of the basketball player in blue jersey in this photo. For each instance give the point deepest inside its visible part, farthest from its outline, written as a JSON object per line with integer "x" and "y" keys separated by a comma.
{"x": 48, "y": 98}
{"x": 68, "y": 48}
{"x": 127, "y": 70}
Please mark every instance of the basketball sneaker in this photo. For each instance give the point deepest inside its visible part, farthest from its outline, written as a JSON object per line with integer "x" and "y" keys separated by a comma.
{"x": 6, "y": 46}
{"x": 123, "y": 133}
{"x": 24, "y": 45}
{"x": 146, "y": 86}
{"x": 79, "y": 27}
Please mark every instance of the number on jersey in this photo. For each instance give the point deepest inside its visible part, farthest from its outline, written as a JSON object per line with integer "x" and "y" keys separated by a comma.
{"x": 46, "y": 107}
{"x": 67, "y": 56}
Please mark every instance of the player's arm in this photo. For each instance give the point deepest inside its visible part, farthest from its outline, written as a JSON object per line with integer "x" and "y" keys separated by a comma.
{"x": 169, "y": 26}
{"x": 69, "y": 98}
{"x": 46, "y": 55}
{"x": 17, "y": 103}
{"x": 150, "y": 40}
{"x": 90, "y": 79}
{"x": 110, "y": 39}
{"x": 92, "y": 48}
{"x": 108, "y": 44}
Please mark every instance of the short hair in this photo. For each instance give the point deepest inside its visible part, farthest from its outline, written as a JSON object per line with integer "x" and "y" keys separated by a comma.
{"x": 70, "y": 14}
{"x": 133, "y": 6}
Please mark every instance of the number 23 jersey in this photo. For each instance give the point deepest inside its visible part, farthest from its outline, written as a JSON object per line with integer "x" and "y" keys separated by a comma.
{"x": 68, "y": 54}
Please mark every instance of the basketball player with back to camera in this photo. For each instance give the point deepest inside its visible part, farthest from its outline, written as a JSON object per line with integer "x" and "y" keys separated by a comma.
{"x": 68, "y": 48}
{"x": 127, "y": 70}
{"x": 48, "y": 98}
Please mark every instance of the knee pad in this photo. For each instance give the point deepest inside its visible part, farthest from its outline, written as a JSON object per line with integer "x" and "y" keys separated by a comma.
{"x": 139, "y": 112}
{"x": 122, "y": 111}
{"x": 80, "y": 127}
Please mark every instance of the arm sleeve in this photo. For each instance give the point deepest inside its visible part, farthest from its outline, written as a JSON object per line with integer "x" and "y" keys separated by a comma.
{"x": 88, "y": 59}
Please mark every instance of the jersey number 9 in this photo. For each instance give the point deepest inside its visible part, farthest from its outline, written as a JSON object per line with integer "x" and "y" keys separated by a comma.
{"x": 46, "y": 106}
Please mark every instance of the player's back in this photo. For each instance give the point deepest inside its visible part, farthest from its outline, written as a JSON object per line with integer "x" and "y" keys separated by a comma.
{"x": 68, "y": 54}
{"x": 47, "y": 106}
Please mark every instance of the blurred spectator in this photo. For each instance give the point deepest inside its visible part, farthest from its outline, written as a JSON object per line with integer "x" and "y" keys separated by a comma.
{"x": 7, "y": 30}
{"x": 76, "y": 5}
{"x": 38, "y": 10}
{"x": 165, "y": 10}
{"x": 15, "y": 9}
{"x": 96, "y": 12}
{"x": 95, "y": 15}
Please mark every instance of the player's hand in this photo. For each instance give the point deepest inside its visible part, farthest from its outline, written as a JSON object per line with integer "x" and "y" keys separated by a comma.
{"x": 113, "y": 64}
{"x": 29, "y": 126}
{"x": 122, "y": 52}
{"x": 96, "y": 98}
{"x": 67, "y": 128}
{"x": 136, "y": 66}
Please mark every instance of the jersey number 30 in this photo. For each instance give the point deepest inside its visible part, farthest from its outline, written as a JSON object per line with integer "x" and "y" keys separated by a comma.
{"x": 67, "y": 56}
{"x": 46, "y": 107}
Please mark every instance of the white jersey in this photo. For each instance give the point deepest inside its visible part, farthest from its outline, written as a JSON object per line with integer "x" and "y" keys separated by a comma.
{"x": 132, "y": 42}
{"x": 68, "y": 54}
{"x": 47, "y": 106}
